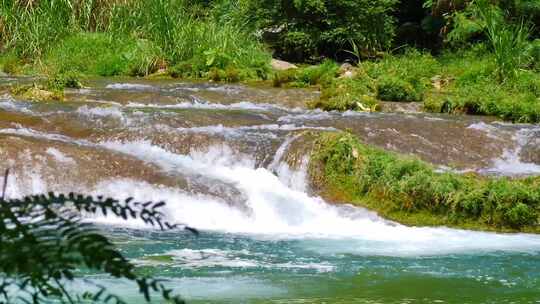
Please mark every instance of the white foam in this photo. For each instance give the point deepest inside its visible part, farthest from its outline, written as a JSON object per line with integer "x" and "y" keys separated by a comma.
{"x": 490, "y": 130}
{"x": 8, "y": 103}
{"x": 198, "y": 104}
{"x": 510, "y": 162}
{"x": 33, "y": 133}
{"x": 59, "y": 156}
{"x": 113, "y": 111}
{"x": 130, "y": 86}
{"x": 212, "y": 257}
{"x": 279, "y": 211}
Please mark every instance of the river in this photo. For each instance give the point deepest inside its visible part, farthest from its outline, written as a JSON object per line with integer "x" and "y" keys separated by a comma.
{"x": 231, "y": 161}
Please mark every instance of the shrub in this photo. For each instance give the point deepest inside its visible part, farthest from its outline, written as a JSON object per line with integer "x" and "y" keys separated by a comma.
{"x": 129, "y": 37}
{"x": 65, "y": 80}
{"x": 45, "y": 244}
{"x": 391, "y": 88}
{"x": 307, "y": 29}
{"x": 507, "y": 38}
{"x": 533, "y": 52}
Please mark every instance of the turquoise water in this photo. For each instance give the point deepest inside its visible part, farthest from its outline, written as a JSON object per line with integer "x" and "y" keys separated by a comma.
{"x": 233, "y": 268}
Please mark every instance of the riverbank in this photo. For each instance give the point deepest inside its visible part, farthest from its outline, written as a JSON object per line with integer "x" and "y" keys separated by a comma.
{"x": 409, "y": 191}
{"x": 454, "y": 83}
{"x": 483, "y": 61}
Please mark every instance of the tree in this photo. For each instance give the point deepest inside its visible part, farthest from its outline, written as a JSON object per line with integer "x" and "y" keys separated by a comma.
{"x": 43, "y": 241}
{"x": 310, "y": 29}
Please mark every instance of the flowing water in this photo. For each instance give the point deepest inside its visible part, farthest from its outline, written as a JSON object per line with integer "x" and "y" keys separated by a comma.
{"x": 231, "y": 161}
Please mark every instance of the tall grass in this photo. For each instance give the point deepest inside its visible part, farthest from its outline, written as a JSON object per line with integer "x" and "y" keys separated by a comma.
{"x": 33, "y": 28}
{"x": 508, "y": 41}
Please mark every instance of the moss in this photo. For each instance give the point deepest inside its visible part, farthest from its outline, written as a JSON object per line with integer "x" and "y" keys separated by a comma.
{"x": 412, "y": 192}
{"x": 36, "y": 92}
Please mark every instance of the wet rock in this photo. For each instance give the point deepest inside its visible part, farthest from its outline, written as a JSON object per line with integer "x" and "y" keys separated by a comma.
{"x": 280, "y": 65}
{"x": 531, "y": 150}
{"x": 69, "y": 167}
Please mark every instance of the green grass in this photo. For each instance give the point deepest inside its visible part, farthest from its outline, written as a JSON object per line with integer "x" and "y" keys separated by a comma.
{"x": 410, "y": 191}
{"x": 346, "y": 94}
{"x": 473, "y": 88}
{"x": 133, "y": 38}
{"x": 99, "y": 54}
{"x": 461, "y": 82}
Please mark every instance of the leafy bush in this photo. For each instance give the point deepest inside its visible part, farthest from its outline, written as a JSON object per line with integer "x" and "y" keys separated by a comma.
{"x": 533, "y": 52}
{"x": 307, "y": 29}
{"x": 65, "y": 80}
{"x": 43, "y": 242}
{"x": 506, "y": 35}
{"x": 508, "y": 41}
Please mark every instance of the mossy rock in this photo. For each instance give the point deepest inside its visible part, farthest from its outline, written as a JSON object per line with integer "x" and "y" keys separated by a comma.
{"x": 411, "y": 191}
{"x": 37, "y": 93}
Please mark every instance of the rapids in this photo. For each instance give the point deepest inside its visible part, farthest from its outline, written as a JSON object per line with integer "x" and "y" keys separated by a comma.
{"x": 230, "y": 160}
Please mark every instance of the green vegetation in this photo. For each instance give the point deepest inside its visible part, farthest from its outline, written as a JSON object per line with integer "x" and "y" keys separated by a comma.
{"x": 308, "y": 29}
{"x": 346, "y": 94}
{"x": 98, "y": 54}
{"x": 134, "y": 38}
{"x": 483, "y": 58}
{"x": 412, "y": 192}
{"x": 44, "y": 243}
